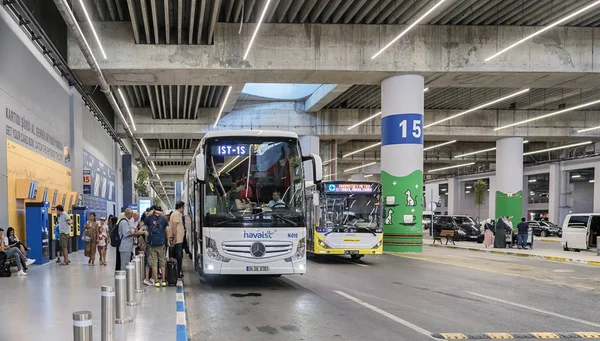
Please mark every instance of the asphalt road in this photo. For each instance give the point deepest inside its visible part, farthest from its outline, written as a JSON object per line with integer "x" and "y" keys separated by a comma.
{"x": 398, "y": 297}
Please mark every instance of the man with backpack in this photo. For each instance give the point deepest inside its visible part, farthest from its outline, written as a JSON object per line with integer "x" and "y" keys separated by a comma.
{"x": 159, "y": 235}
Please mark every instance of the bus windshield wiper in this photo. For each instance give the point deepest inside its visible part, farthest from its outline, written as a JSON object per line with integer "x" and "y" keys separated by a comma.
{"x": 289, "y": 221}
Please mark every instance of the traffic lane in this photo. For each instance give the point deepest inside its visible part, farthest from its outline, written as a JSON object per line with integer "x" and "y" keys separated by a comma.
{"x": 267, "y": 308}
{"x": 435, "y": 296}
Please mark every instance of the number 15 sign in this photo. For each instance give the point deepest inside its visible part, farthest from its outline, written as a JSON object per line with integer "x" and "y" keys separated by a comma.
{"x": 402, "y": 129}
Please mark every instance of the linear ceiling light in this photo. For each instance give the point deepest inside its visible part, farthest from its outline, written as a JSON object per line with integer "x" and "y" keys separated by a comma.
{"x": 228, "y": 164}
{"x": 154, "y": 166}
{"x": 146, "y": 148}
{"x": 368, "y": 175}
{"x": 479, "y": 107}
{"x": 450, "y": 167}
{"x": 157, "y": 176}
{"x": 558, "y": 22}
{"x": 425, "y": 90}
{"x": 439, "y": 145}
{"x": 359, "y": 167}
{"x": 592, "y": 181}
{"x": 558, "y": 148}
{"x": 260, "y": 20}
{"x": 588, "y": 129}
{"x": 328, "y": 161}
{"x": 365, "y": 120}
{"x": 548, "y": 115}
{"x": 329, "y": 175}
{"x": 576, "y": 176}
{"x": 127, "y": 108}
{"x": 87, "y": 16}
{"x": 532, "y": 180}
{"x": 481, "y": 151}
{"x": 362, "y": 149}
{"x": 222, "y": 107}
{"x": 416, "y": 22}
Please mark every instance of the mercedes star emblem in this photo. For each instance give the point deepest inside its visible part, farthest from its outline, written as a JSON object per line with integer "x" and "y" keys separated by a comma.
{"x": 258, "y": 250}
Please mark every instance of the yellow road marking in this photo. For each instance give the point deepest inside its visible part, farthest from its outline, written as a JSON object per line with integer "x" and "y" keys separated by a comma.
{"x": 500, "y": 336}
{"x": 545, "y": 335}
{"x": 557, "y": 259}
{"x": 593, "y": 263}
{"x": 454, "y": 336}
{"x": 589, "y": 335}
{"x": 552, "y": 281}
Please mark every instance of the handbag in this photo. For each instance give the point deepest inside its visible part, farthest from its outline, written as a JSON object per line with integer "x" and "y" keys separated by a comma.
{"x": 87, "y": 239}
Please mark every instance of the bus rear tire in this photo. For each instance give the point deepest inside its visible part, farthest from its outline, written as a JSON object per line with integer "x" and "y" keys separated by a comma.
{"x": 357, "y": 257}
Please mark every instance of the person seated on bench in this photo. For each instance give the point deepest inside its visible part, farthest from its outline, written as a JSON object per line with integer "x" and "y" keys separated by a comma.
{"x": 12, "y": 241}
{"x": 14, "y": 253}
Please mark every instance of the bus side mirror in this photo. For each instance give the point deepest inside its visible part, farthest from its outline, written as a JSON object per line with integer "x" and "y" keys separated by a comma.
{"x": 317, "y": 167}
{"x": 200, "y": 169}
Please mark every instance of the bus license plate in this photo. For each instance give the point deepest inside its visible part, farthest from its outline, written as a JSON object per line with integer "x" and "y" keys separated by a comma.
{"x": 257, "y": 268}
{"x": 351, "y": 252}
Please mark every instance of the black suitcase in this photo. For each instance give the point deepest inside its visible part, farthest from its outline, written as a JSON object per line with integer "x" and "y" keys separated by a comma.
{"x": 171, "y": 272}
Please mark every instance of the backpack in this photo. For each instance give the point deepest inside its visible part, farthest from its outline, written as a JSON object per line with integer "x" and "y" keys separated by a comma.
{"x": 156, "y": 236}
{"x": 4, "y": 268}
{"x": 115, "y": 237}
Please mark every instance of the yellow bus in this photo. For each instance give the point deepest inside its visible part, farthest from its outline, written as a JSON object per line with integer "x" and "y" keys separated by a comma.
{"x": 344, "y": 218}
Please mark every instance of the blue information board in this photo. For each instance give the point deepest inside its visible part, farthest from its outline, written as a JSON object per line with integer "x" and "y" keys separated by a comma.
{"x": 402, "y": 129}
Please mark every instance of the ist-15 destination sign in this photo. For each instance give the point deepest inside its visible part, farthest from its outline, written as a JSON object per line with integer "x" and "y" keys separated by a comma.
{"x": 348, "y": 188}
{"x": 232, "y": 149}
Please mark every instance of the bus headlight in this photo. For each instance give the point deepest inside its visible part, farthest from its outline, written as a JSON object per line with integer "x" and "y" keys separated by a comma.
{"x": 323, "y": 244}
{"x": 211, "y": 250}
{"x": 300, "y": 249}
{"x": 377, "y": 245}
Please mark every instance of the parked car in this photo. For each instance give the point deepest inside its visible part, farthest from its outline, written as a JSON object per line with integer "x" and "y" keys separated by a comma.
{"x": 465, "y": 228}
{"x": 544, "y": 228}
{"x": 580, "y": 231}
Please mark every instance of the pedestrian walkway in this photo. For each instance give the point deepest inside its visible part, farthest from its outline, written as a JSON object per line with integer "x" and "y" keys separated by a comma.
{"x": 551, "y": 251}
{"x": 40, "y": 306}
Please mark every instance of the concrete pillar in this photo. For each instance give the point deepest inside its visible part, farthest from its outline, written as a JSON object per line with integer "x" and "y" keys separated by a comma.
{"x": 76, "y": 140}
{"x": 127, "y": 180}
{"x": 402, "y": 177}
{"x": 454, "y": 195}
{"x": 432, "y": 195}
{"x": 525, "y": 207}
{"x": 492, "y": 197}
{"x": 309, "y": 145}
{"x": 596, "y": 187}
{"x": 557, "y": 194}
{"x": 509, "y": 178}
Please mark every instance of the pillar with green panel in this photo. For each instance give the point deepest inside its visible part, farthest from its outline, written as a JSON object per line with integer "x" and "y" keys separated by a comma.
{"x": 509, "y": 179}
{"x": 402, "y": 162}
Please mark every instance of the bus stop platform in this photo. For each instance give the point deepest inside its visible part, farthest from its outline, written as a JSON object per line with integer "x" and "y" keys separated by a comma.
{"x": 550, "y": 251}
{"x": 42, "y": 304}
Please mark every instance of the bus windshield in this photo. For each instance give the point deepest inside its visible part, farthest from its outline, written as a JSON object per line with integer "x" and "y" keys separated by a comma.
{"x": 253, "y": 182}
{"x": 352, "y": 213}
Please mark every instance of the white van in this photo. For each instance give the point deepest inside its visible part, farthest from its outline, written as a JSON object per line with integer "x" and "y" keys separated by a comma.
{"x": 580, "y": 231}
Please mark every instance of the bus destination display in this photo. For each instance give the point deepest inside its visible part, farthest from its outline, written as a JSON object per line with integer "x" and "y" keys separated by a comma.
{"x": 349, "y": 188}
{"x": 231, "y": 149}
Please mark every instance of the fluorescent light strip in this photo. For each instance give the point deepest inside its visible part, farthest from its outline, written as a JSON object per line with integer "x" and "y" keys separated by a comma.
{"x": 450, "y": 167}
{"x": 157, "y": 176}
{"x": 260, "y": 20}
{"x": 425, "y": 90}
{"x": 549, "y": 115}
{"x": 558, "y": 148}
{"x": 153, "y": 166}
{"x": 222, "y": 107}
{"x": 532, "y": 180}
{"x": 87, "y": 16}
{"x": 482, "y": 151}
{"x": 592, "y": 181}
{"x": 416, "y": 22}
{"x": 228, "y": 164}
{"x": 328, "y": 161}
{"x": 588, "y": 129}
{"x": 479, "y": 107}
{"x": 362, "y": 149}
{"x": 145, "y": 148}
{"x": 127, "y": 108}
{"x": 576, "y": 176}
{"x": 558, "y": 22}
{"x": 359, "y": 167}
{"x": 368, "y": 175}
{"x": 439, "y": 145}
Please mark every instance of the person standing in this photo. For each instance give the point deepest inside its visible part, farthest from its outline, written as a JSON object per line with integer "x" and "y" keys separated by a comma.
{"x": 158, "y": 231}
{"x": 178, "y": 229}
{"x": 522, "y": 228}
{"x": 127, "y": 233}
{"x": 103, "y": 240}
{"x": 64, "y": 226}
{"x": 90, "y": 238}
{"x": 488, "y": 234}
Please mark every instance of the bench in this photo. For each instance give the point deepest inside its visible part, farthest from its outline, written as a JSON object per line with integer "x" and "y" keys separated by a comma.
{"x": 448, "y": 234}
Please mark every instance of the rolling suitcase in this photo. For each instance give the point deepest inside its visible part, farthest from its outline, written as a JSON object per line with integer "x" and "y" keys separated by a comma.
{"x": 171, "y": 271}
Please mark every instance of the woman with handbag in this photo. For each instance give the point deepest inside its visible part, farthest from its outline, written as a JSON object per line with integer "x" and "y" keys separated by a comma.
{"x": 103, "y": 240}
{"x": 90, "y": 238}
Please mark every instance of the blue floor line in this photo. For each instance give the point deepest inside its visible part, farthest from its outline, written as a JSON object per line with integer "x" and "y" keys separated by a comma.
{"x": 181, "y": 334}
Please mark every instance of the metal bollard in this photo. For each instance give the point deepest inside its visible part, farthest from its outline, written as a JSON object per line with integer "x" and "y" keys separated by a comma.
{"x": 597, "y": 246}
{"x": 120, "y": 298}
{"x": 82, "y": 326}
{"x": 142, "y": 271}
{"x": 138, "y": 279}
{"x": 131, "y": 275}
{"x": 107, "y": 323}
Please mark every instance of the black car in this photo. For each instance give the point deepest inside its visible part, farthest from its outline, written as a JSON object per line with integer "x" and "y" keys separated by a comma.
{"x": 545, "y": 229}
{"x": 464, "y": 227}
